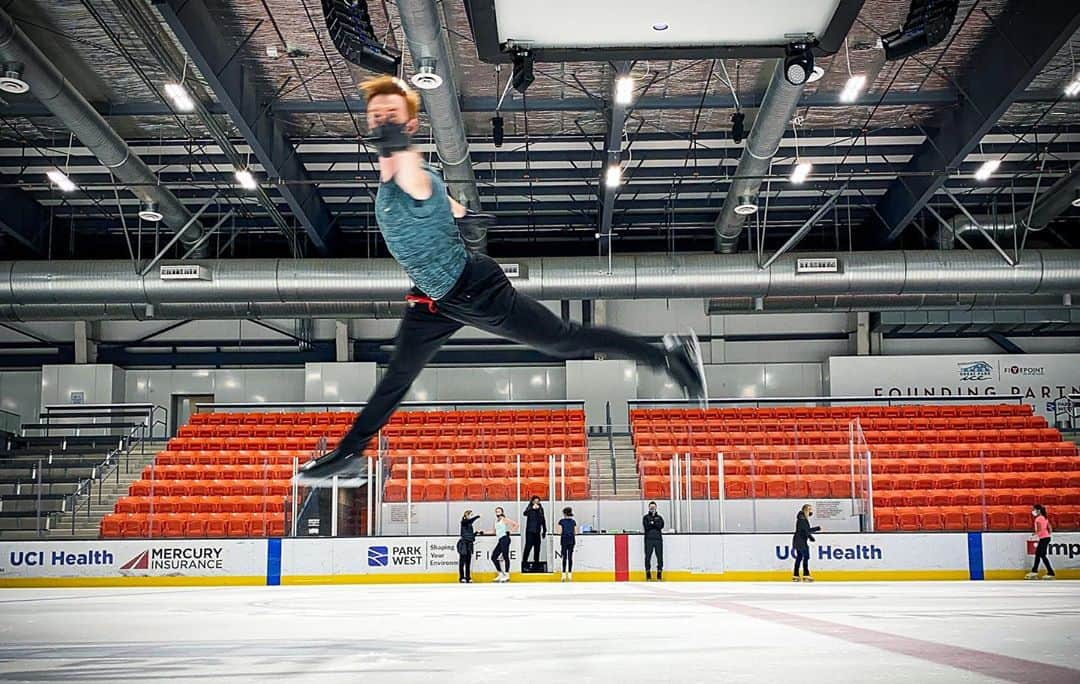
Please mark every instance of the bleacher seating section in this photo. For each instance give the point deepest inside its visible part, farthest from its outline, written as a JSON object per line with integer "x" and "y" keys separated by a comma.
{"x": 935, "y": 467}
{"x": 228, "y": 474}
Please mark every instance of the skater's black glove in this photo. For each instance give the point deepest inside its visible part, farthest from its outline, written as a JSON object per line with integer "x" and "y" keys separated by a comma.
{"x": 389, "y": 137}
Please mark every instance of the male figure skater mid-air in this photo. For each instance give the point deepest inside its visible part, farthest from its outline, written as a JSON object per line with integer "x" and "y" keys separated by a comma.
{"x": 454, "y": 288}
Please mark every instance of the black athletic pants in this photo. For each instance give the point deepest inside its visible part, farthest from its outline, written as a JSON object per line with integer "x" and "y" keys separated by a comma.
{"x": 801, "y": 556}
{"x": 483, "y": 298}
{"x": 465, "y": 554}
{"x": 502, "y": 550}
{"x": 654, "y": 546}
{"x": 1040, "y": 555}
{"x": 532, "y": 543}
{"x": 567, "y": 555}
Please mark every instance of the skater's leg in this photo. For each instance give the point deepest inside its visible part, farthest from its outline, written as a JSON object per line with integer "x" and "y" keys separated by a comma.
{"x": 488, "y": 301}
{"x": 659, "y": 558}
{"x": 650, "y": 549}
{"x": 536, "y": 547}
{"x": 798, "y": 559}
{"x": 568, "y": 558}
{"x": 419, "y": 337}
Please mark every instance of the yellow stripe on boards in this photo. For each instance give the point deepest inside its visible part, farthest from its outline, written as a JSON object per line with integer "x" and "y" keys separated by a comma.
{"x": 439, "y": 578}
{"x": 824, "y": 575}
{"x": 1019, "y": 574}
{"x": 175, "y": 581}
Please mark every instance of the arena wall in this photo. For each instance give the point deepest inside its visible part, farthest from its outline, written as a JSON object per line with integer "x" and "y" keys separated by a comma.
{"x": 703, "y": 557}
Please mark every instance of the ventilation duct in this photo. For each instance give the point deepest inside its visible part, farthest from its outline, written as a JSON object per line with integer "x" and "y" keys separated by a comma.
{"x": 1055, "y": 202}
{"x": 50, "y": 87}
{"x": 777, "y": 108}
{"x": 331, "y": 287}
{"x": 422, "y": 25}
{"x": 854, "y": 303}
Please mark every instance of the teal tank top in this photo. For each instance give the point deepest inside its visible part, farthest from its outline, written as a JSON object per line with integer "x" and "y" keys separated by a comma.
{"x": 500, "y": 530}
{"x": 422, "y": 236}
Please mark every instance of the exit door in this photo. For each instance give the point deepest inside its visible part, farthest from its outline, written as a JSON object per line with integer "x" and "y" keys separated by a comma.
{"x": 183, "y": 406}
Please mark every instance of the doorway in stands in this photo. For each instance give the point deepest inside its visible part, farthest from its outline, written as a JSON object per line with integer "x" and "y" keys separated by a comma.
{"x": 183, "y": 406}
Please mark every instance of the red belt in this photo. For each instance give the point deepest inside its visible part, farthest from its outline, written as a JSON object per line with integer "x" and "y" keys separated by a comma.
{"x": 413, "y": 300}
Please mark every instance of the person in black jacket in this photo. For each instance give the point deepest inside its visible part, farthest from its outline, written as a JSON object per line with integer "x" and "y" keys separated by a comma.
{"x": 800, "y": 543}
{"x": 465, "y": 547}
{"x": 535, "y": 530}
{"x": 653, "y": 525}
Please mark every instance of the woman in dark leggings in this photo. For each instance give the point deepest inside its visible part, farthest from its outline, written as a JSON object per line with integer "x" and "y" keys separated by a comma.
{"x": 465, "y": 547}
{"x": 568, "y": 527}
{"x": 503, "y": 528}
{"x": 800, "y": 543}
{"x": 1042, "y": 533}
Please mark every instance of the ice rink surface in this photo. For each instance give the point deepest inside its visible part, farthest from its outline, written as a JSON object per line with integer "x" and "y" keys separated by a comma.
{"x": 585, "y": 632}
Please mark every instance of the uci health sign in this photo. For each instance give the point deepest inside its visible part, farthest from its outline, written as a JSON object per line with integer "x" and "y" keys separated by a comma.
{"x": 133, "y": 558}
{"x": 1041, "y": 379}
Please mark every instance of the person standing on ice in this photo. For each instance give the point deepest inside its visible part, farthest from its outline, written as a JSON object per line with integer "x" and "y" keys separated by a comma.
{"x": 503, "y": 528}
{"x": 535, "y": 530}
{"x": 800, "y": 543}
{"x": 653, "y": 524}
{"x": 465, "y": 547}
{"x": 1042, "y": 545}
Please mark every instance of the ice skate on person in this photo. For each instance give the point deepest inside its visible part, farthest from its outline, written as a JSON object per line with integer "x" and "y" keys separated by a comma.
{"x": 1049, "y": 576}
{"x": 686, "y": 365}
{"x": 1031, "y": 576}
{"x": 343, "y": 463}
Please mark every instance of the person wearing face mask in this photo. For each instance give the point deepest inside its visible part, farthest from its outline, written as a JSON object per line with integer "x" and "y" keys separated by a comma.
{"x": 800, "y": 543}
{"x": 535, "y": 530}
{"x": 1042, "y": 536}
{"x": 653, "y": 525}
{"x": 465, "y": 547}
{"x": 455, "y": 285}
{"x": 503, "y": 529}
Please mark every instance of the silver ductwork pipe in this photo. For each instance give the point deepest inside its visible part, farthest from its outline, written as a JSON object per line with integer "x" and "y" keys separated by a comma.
{"x": 54, "y": 91}
{"x": 193, "y": 310}
{"x": 1055, "y": 202}
{"x": 332, "y": 287}
{"x": 421, "y": 22}
{"x": 854, "y": 303}
{"x": 777, "y": 108}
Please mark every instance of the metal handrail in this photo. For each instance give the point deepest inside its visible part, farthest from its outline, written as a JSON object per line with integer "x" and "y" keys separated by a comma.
{"x": 611, "y": 448}
{"x": 340, "y": 405}
{"x": 870, "y": 399}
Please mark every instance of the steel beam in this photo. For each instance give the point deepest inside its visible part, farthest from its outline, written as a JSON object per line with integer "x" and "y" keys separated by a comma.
{"x": 200, "y": 35}
{"x": 1025, "y": 37}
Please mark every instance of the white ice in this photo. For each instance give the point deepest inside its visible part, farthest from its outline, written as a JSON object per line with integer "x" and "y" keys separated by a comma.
{"x": 551, "y": 633}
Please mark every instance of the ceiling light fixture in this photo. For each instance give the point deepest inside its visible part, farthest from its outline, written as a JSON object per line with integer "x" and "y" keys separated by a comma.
{"x": 12, "y": 81}
{"x": 246, "y": 179}
{"x": 738, "y": 127}
{"x": 148, "y": 211}
{"x": 659, "y": 26}
{"x": 1073, "y": 89}
{"x": 745, "y": 205}
{"x": 801, "y": 171}
{"x": 179, "y": 96}
{"x": 613, "y": 176}
{"x": 798, "y": 64}
{"x": 987, "y": 169}
{"x": 61, "y": 180}
{"x": 624, "y": 90}
{"x": 426, "y": 78}
{"x": 856, "y": 82}
{"x": 1076, "y": 200}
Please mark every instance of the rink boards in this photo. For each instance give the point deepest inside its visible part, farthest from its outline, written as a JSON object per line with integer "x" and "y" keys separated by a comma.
{"x": 702, "y": 557}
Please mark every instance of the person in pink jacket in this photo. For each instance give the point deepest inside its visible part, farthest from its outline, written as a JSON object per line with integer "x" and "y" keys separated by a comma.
{"x": 1042, "y": 534}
